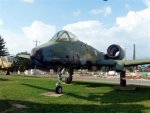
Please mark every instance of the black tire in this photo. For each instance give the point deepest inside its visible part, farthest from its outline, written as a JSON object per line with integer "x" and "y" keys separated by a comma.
{"x": 58, "y": 89}
{"x": 68, "y": 80}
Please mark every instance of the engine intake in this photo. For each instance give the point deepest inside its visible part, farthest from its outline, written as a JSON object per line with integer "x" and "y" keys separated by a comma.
{"x": 115, "y": 52}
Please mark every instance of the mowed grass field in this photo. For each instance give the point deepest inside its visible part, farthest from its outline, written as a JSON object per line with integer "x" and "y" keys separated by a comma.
{"x": 20, "y": 94}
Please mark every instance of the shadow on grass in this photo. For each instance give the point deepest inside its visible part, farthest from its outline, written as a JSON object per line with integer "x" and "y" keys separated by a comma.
{"x": 140, "y": 94}
{"x": 92, "y": 84}
{"x": 3, "y": 79}
{"x": 31, "y": 107}
{"x": 114, "y": 96}
{"x": 37, "y": 87}
{"x": 112, "y": 101}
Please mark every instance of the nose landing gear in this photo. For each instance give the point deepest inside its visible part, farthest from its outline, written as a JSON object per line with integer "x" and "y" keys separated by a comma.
{"x": 68, "y": 79}
{"x": 58, "y": 88}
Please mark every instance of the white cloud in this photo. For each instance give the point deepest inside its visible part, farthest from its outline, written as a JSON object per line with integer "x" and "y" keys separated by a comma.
{"x": 77, "y": 13}
{"x": 139, "y": 20}
{"x": 23, "y": 41}
{"x": 105, "y": 10}
{"x": 87, "y": 30}
{"x": 29, "y": 1}
{"x": 39, "y": 31}
{"x": 1, "y": 22}
{"x": 88, "y": 25}
{"x": 147, "y": 3}
{"x": 15, "y": 42}
{"x": 130, "y": 29}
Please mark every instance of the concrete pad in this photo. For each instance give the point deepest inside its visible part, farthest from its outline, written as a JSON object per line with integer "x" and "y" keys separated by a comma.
{"x": 127, "y": 88}
{"x": 52, "y": 94}
{"x": 19, "y": 106}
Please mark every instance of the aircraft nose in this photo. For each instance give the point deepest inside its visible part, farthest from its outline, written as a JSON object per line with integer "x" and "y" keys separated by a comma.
{"x": 36, "y": 56}
{"x": 33, "y": 52}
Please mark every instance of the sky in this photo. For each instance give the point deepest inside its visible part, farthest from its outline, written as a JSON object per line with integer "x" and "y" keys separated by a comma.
{"x": 96, "y": 22}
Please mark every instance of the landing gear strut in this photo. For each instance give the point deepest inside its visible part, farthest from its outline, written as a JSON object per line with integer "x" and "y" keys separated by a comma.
{"x": 58, "y": 88}
{"x": 122, "y": 79}
{"x": 68, "y": 79}
{"x": 8, "y": 72}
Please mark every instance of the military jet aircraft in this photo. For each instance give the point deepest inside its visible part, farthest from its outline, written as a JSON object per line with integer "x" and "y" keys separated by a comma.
{"x": 65, "y": 52}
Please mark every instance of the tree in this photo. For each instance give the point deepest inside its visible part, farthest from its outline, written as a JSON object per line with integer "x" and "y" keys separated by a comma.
{"x": 3, "y": 49}
{"x": 21, "y": 63}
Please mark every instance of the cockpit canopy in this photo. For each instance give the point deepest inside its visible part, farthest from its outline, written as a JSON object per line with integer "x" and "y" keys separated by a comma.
{"x": 64, "y": 36}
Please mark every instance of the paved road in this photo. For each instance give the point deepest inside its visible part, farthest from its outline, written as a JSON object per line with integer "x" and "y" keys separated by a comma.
{"x": 115, "y": 81}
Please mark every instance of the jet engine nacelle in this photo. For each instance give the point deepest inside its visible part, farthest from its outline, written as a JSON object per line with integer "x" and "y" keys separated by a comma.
{"x": 115, "y": 52}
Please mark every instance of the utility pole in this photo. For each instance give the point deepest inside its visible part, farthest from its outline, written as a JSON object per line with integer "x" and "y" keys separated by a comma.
{"x": 36, "y": 42}
{"x": 134, "y": 57}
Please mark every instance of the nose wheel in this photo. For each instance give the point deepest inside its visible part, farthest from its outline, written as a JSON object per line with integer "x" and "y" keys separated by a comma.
{"x": 58, "y": 89}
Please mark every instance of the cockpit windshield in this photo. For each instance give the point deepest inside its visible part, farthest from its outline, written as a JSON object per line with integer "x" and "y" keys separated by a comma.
{"x": 64, "y": 36}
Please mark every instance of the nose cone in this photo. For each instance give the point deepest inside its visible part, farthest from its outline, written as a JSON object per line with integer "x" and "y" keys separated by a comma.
{"x": 42, "y": 55}
{"x": 33, "y": 52}
{"x": 36, "y": 56}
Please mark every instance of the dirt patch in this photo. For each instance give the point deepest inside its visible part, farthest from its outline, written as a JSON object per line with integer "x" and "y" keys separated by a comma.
{"x": 19, "y": 106}
{"x": 52, "y": 94}
{"x": 127, "y": 88}
{"x": 14, "y": 106}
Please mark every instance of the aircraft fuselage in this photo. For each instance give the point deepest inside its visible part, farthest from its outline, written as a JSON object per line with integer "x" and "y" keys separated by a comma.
{"x": 76, "y": 54}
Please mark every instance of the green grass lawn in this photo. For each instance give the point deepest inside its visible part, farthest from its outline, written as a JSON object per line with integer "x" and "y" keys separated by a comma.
{"x": 80, "y": 97}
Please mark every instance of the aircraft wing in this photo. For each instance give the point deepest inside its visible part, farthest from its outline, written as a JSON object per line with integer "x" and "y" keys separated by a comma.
{"x": 134, "y": 62}
{"x": 24, "y": 56}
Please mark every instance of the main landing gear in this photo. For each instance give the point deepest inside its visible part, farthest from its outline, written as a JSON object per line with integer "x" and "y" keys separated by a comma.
{"x": 68, "y": 79}
{"x": 122, "y": 79}
{"x": 8, "y": 72}
{"x": 123, "y": 86}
